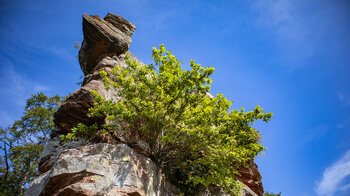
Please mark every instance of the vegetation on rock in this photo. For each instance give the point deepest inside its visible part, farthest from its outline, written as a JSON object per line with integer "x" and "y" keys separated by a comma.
{"x": 21, "y": 143}
{"x": 193, "y": 137}
{"x": 271, "y": 194}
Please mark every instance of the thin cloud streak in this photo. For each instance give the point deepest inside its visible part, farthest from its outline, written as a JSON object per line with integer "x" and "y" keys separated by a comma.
{"x": 283, "y": 19}
{"x": 16, "y": 90}
{"x": 18, "y": 86}
{"x": 344, "y": 99}
{"x": 333, "y": 177}
{"x": 277, "y": 12}
{"x": 5, "y": 119}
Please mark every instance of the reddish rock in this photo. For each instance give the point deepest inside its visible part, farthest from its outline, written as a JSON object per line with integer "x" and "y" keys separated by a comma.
{"x": 76, "y": 107}
{"x": 110, "y": 37}
{"x": 74, "y": 111}
{"x": 251, "y": 177}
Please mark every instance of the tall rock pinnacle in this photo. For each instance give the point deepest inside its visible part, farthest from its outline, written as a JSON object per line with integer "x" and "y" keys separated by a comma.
{"x": 109, "y": 165}
{"x": 104, "y": 45}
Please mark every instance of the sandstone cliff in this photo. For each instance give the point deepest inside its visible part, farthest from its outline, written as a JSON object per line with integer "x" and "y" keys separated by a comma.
{"x": 113, "y": 166}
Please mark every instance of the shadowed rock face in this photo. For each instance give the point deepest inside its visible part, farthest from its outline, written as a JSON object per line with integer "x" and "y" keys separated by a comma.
{"x": 74, "y": 110}
{"x": 106, "y": 41}
{"x": 116, "y": 166}
{"x": 103, "y": 38}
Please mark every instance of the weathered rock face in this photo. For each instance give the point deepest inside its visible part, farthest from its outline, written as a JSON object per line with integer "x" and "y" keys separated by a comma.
{"x": 105, "y": 43}
{"x": 251, "y": 177}
{"x": 109, "y": 37}
{"x": 113, "y": 166}
{"x": 98, "y": 169}
{"x": 78, "y": 168}
{"x": 74, "y": 110}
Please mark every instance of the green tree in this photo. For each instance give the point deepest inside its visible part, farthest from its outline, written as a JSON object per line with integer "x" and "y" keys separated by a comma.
{"x": 194, "y": 137}
{"x": 271, "y": 194}
{"x": 21, "y": 143}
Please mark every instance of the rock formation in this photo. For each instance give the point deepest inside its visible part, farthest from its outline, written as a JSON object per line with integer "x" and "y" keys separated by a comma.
{"x": 111, "y": 166}
{"x": 97, "y": 169}
{"x": 251, "y": 177}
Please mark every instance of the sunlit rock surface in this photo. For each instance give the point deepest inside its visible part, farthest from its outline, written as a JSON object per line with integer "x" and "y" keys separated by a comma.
{"x": 100, "y": 169}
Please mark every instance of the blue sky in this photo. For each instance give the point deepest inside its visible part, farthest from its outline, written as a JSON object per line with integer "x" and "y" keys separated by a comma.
{"x": 290, "y": 57}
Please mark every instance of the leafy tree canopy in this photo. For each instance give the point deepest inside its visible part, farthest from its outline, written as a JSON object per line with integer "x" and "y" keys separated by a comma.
{"x": 21, "y": 143}
{"x": 271, "y": 194}
{"x": 194, "y": 137}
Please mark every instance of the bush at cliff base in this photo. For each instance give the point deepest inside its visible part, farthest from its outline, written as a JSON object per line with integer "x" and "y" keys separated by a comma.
{"x": 195, "y": 138}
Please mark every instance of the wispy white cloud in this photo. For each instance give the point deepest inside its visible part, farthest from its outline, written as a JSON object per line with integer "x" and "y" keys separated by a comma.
{"x": 5, "y": 119}
{"x": 311, "y": 134}
{"x": 288, "y": 26}
{"x": 345, "y": 187}
{"x": 275, "y": 12}
{"x": 15, "y": 89}
{"x": 315, "y": 133}
{"x": 345, "y": 123}
{"x": 344, "y": 99}
{"x": 333, "y": 176}
{"x": 18, "y": 86}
